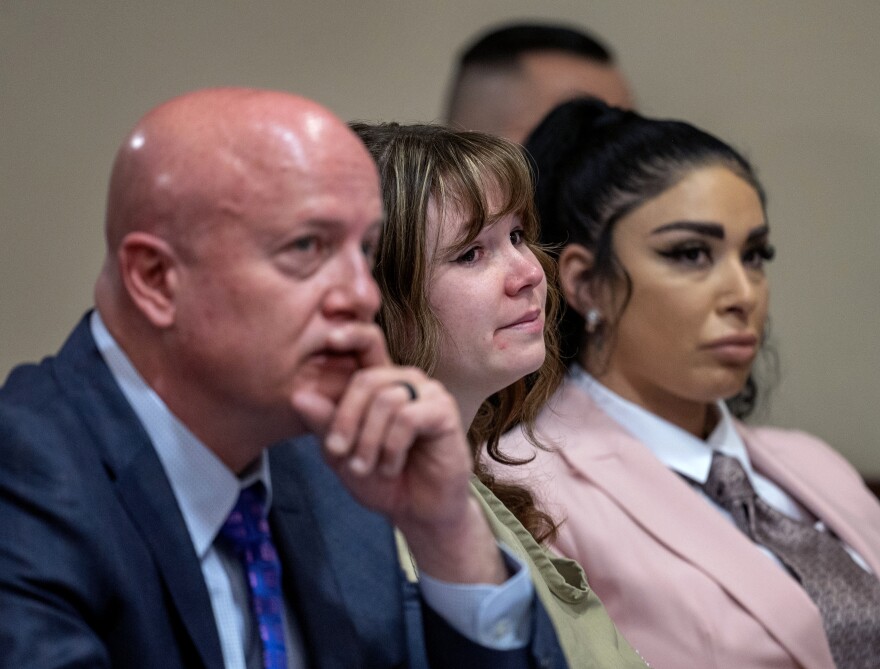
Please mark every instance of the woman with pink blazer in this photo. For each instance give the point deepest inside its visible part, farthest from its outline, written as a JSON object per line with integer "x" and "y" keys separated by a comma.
{"x": 712, "y": 544}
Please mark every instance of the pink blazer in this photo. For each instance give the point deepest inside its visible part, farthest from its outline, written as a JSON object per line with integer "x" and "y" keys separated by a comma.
{"x": 686, "y": 588}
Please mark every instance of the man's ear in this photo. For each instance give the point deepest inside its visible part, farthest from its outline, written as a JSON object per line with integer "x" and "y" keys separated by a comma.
{"x": 576, "y": 277}
{"x": 149, "y": 270}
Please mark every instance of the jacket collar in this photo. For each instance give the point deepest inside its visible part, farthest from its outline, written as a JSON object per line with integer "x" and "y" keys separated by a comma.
{"x": 851, "y": 512}
{"x": 620, "y": 465}
{"x": 139, "y": 481}
{"x": 339, "y": 558}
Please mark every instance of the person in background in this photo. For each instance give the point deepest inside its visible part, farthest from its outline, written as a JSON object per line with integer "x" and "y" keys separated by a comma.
{"x": 509, "y": 77}
{"x": 713, "y": 544}
{"x": 465, "y": 298}
{"x": 146, "y": 520}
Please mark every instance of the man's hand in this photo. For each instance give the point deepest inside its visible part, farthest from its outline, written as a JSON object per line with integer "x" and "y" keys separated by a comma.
{"x": 408, "y": 458}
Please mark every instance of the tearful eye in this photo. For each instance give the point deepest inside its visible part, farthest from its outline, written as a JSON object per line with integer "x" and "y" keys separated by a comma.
{"x": 468, "y": 256}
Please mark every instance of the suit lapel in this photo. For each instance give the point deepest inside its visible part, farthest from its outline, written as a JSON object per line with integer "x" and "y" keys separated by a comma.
{"x": 132, "y": 465}
{"x": 631, "y": 475}
{"x": 161, "y": 524}
{"x": 338, "y": 560}
{"x": 851, "y": 513}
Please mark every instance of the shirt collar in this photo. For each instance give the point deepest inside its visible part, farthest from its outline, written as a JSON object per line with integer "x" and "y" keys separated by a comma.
{"x": 678, "y": 449}
{"x": 205, "y": 488}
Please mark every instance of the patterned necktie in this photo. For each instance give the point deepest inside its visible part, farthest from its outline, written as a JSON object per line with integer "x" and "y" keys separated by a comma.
{"x": 847, "y": 596}
{"x": 247, "y": 531}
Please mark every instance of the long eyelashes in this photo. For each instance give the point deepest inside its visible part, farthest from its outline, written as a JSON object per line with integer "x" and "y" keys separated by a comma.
{"x": 759, "y": 255}
{"x": 688, "y": 254}
{"x": 766, "y": 252}
{"x": 698, "y": 254}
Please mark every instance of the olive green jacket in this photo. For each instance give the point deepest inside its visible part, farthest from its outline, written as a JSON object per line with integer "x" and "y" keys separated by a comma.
{"x": 586, "y": 634}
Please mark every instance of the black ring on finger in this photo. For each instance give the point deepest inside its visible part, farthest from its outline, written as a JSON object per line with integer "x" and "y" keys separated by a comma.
{"x": 413, "y": 395}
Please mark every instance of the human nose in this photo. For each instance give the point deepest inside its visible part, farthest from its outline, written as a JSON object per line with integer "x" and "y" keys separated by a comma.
{"x": 525, "y": 272}
{"x": 739, "y": 288}
{"x": 354, "y": 293}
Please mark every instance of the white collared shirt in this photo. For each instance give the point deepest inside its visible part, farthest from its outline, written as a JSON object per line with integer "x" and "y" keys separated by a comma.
{"x": 690, "y": 456}
{"x": 497, "y": 617}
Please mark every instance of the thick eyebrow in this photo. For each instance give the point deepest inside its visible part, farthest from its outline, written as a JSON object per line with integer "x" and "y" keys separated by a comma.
{"x": 757, "y": 233}
{"x": 709, "y": 229}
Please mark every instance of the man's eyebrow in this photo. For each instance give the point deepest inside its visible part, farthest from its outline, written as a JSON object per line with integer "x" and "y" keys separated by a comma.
{"x": 701, "y": 228}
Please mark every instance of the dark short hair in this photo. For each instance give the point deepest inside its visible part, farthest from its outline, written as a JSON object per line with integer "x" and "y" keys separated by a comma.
{"x": 504, "y": 44}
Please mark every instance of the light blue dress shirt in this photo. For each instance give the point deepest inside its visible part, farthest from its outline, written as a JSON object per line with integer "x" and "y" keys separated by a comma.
{"x": 497, "y": 617}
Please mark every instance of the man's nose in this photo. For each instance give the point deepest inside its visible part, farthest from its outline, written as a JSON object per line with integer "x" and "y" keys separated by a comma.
{"x": 354, "y": 293}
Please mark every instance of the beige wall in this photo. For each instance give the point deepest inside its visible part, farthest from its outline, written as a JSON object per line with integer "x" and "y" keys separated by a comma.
{"x": 792, "y": 82}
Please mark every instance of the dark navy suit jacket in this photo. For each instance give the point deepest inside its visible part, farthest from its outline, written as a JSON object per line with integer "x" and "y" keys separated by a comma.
{"x": 97, "y": 568}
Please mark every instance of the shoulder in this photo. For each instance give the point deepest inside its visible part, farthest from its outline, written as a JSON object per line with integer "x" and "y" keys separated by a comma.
{"x": 28, "y": 388}
{"x": 35, "y": 424}
{"x": 570, "y": 419}
{"x": 807, "y": 467}
{"x": 52, "y": 485}
{"x": 52, "y": 416}
{"x": 793, "y": 446}
{"x": 35, "y": 399}
{"x": 779, "y": 437}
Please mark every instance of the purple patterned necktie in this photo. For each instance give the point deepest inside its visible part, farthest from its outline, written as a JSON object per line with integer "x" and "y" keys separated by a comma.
{"x": 848, "y": 597}
{"x": 247, "y": 532}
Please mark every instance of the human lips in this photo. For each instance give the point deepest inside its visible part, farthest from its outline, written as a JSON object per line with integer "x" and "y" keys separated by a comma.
{"x": 338, "y": 361}
{"x": 530, "y": 321}
{"x": 328, "y": 372}
{"x": 736, "y": 349}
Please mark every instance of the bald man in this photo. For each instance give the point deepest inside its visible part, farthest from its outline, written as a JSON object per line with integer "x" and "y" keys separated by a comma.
{"x": 147, "y": 523}
{"x": 511, "y": 76}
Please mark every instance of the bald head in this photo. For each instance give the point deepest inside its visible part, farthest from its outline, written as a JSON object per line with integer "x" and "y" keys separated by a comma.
{"x": 237, "y": 224}
{"x": 201, "y": 159}
{"x": 192, "y": 155}
{"x": 196, "y": 161}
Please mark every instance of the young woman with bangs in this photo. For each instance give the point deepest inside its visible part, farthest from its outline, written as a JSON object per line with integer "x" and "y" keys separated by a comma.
{"x": 465, "y": 297}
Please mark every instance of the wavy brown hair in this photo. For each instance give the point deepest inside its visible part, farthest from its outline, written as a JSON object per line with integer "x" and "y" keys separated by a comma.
{"x": 457, "y": 169}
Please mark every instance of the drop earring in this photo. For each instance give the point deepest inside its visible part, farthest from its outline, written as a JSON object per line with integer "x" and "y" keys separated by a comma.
{"x": 593, "y": 320}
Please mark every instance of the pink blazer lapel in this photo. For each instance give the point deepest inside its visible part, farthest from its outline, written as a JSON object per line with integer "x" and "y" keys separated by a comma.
{"x": 808, "y": 470}
{"x": 688, "y": 525}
